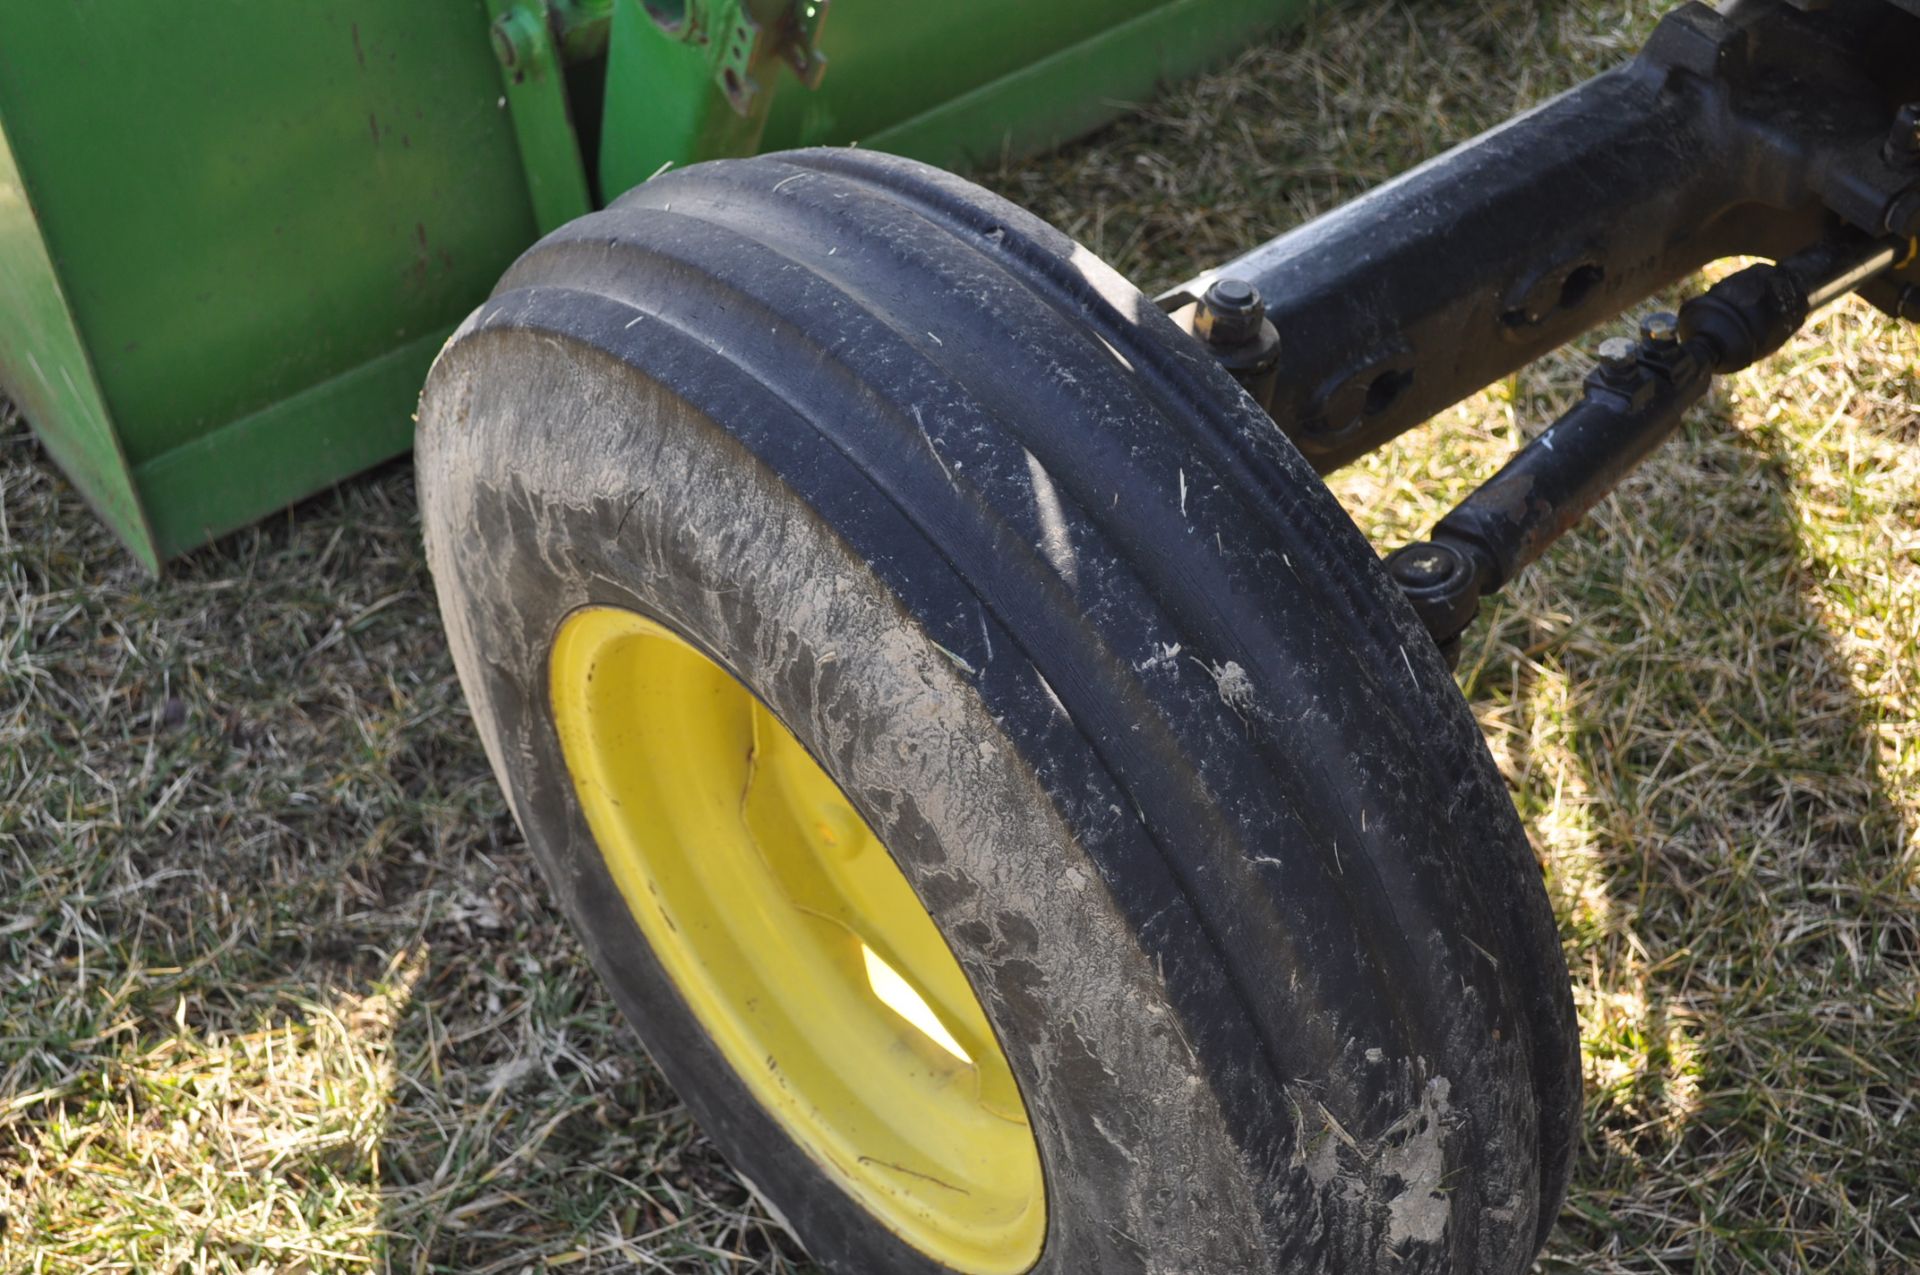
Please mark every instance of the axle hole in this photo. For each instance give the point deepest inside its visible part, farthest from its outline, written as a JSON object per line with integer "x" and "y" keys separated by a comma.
{"x": 1384, "y": 390}
{"x": 1579, "y": 285}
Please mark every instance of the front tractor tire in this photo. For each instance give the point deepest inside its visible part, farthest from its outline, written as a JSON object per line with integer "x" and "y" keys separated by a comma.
{"x": 998, "y": 782}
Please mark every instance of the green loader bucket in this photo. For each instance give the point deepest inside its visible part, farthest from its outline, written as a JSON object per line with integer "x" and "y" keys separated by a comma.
{"x": 234, "y": 235}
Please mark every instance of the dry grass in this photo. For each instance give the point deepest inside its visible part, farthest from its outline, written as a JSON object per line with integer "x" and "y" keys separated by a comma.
{"x": 280, "y": 981}
{"x": 282, "y": 991}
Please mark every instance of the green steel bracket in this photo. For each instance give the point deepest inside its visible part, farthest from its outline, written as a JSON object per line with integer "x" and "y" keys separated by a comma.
{"x": 803, "y": 50}
{"x": 524, "y": 39}
{"x": 746, "y": 39}
{"x": 767, "y": 31}
{"x": 696, "y": 79}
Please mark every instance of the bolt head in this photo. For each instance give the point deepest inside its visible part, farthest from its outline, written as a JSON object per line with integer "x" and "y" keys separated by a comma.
{"x": 1232, "y": 294}
{"x": 504, "y": 46}
{"x": 1423, "y": 566}
{"x": 1618, "y": 354}
{"x": 1229, "y": 313}
{"x": 1660, "y": 328}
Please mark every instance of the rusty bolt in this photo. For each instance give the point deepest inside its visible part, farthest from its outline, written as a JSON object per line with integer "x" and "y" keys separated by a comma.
{"x": 1660, "y": 328}
{"x": 1229, "y": 313}
{"x": 515, "y": 35}
{"x": 1618, "y": 355}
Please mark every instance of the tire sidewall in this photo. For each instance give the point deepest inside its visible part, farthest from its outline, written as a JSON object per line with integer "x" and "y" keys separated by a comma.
{"x": 642, "y": 502}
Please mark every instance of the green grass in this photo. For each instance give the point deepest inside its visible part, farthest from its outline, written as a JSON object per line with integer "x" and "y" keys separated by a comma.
{"x": 280, "y": 989}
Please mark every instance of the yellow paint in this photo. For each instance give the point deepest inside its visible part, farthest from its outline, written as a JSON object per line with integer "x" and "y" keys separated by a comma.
{"x": 796, "y": 941}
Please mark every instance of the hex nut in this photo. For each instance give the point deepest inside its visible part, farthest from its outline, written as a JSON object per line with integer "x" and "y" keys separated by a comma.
{"x": 1230, "y": 313}
{"x": 1619, "y": 354}
{"x": 1660, "y": 328}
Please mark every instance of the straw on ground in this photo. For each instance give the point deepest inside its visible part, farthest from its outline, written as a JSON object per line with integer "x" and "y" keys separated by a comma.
{"x": 282, "y": 991}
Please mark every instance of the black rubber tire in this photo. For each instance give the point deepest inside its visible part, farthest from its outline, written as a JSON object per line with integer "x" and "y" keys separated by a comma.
{"x": 1170, "y": 762}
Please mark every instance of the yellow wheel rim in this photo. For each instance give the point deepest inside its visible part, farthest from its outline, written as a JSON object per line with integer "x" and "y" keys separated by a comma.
{"x": 797, "y": 943}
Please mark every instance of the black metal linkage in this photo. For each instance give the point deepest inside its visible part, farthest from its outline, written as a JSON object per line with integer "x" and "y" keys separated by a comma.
{"x": 1749, "y": 131}
{"x": 1633, "y": 402}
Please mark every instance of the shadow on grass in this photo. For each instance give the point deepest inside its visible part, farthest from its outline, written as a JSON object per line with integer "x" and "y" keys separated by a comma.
{"x": 283, "y": 988}
{"x": 1677, "y": 690}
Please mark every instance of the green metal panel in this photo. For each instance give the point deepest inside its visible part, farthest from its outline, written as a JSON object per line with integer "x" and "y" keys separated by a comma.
{"x": 948, "y": 83}
{"x": 234, "y": 234}
{"x": 247, "y": 468}
{"x": 248, "y": 206}
{"x": 1072, "y": 90}
{"x": 44, "y": 367}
